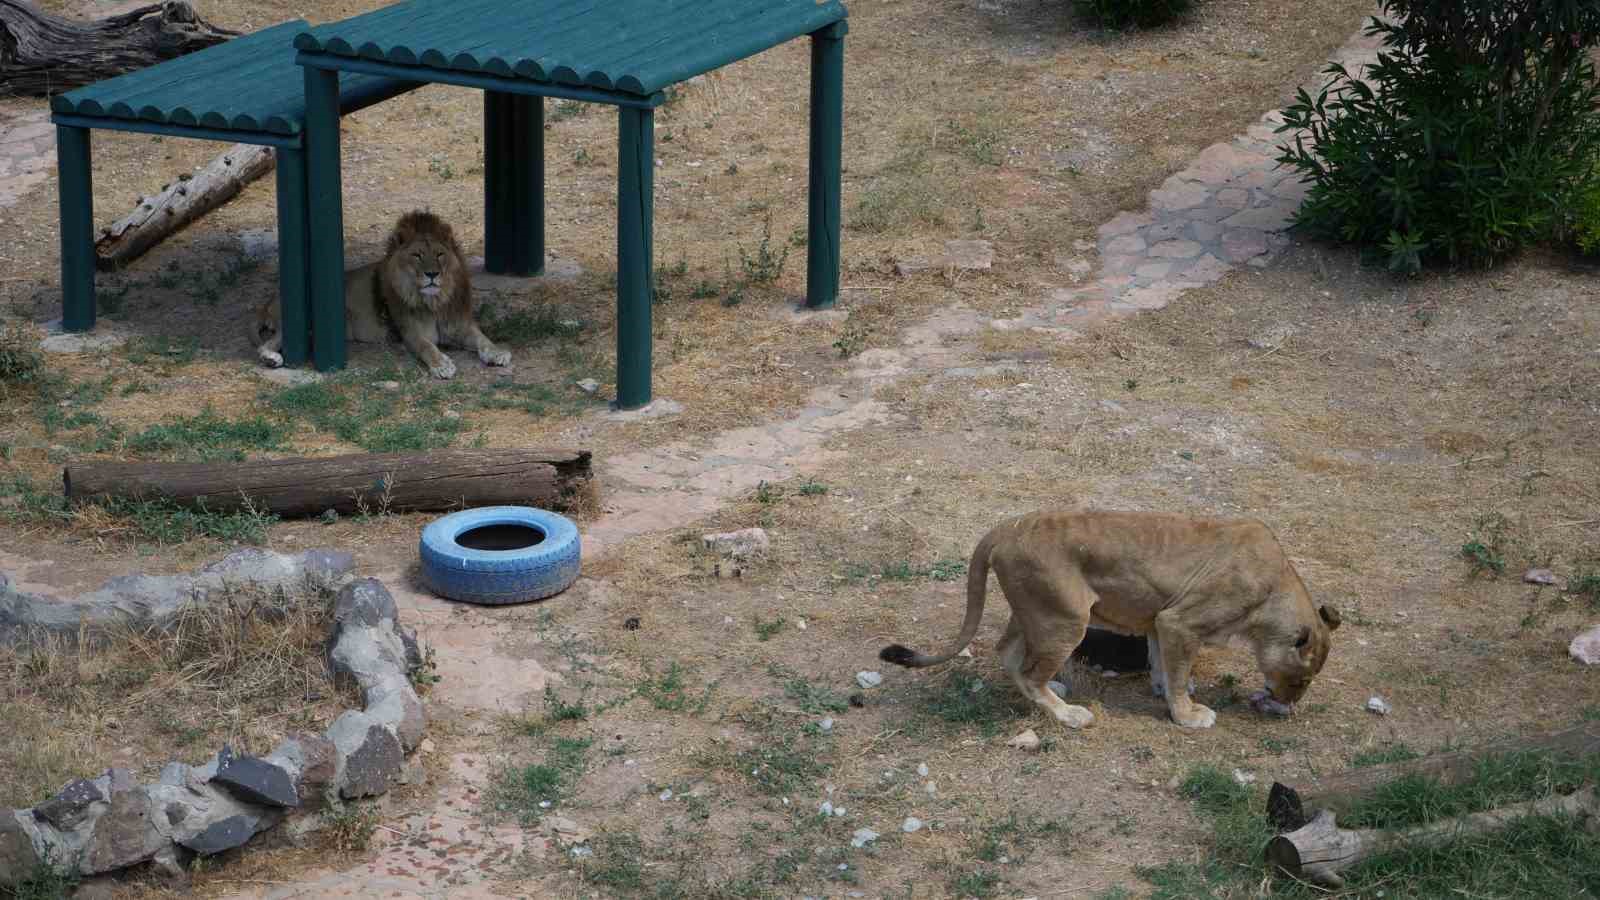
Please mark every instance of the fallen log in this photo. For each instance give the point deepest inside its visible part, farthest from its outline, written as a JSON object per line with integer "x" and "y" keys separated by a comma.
{"x": 1321, "y": 850}
{"x": 363, "y": 482}
{"x": 1339, "y": 792}
{"x": 42, "y": 54}
{"x": 179, "y": 203}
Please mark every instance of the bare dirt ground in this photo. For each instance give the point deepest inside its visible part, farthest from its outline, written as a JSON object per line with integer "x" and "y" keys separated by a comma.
{"x": 1382, "y": 426}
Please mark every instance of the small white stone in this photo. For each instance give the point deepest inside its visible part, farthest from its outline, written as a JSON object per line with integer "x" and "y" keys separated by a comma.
{"x": 826, "y": 808}
{"x": 838, "y": 812}
{"x": 911, "y": 825}
{"x": 544, "y": 804}
{"x": 800, "y": 624}
{"x": 1376, "y": 704}
{"x": 965, "y": 651}
{"x": 1585, "y": 648}
{"x": 922, "y": 769}
{"x": 1243, "y": 777}
{"x": 1025, "y": 741}
{"x": 727, "y": 620}
{"x": 629, "y": 763}
{"x": 588, "y": 385}
{"x": 863, "y": 837}
{"x": 387, "y": 385}
{"x": 581, "y": 852}
{"x": 932, "y": 788}
{"x": 869, "y": 679}
{"x": 665, "y": 795}
{"x": 826, "y": 725}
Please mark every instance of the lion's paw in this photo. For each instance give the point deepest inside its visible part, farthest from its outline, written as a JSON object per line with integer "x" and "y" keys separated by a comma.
{"x": 1073, "y": 716}
{"x": 445, "y": 368}
{"x": 273, "y": 360}
{"x": 1199, "y": 717}
{"x": 495, "y": 357}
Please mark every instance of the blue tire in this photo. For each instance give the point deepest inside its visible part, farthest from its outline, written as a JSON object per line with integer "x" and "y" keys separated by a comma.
{"x": 453, "y": 567}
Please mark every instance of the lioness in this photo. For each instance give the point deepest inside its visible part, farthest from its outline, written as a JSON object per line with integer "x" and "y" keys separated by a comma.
{"x": 420, "y": 288}
{"x": 1183, "y": 582}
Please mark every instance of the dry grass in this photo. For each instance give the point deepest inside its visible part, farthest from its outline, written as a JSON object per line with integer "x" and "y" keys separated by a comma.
{"x": 243, "y": 669}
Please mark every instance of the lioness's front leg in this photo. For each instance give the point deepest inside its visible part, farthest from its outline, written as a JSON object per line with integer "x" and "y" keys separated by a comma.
{"x": 468, "y": 335}
{"x": 1178, "y": 647}
{"x": 1158, "y": 671}
{"x": 420, "y": 338}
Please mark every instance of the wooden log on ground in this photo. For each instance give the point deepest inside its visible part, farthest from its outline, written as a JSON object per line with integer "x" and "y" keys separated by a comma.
{"x": 364, "y": 482}
{"x": 42, "y": 54}
{"x": 1321, "y": 850}
{"x": 1339, "y": 792}
{"x": 179, "y": 203}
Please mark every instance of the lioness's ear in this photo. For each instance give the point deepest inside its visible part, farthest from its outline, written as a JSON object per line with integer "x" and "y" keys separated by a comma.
{"x": 1330, "y": 617}
{"x": 1304, "y": 638}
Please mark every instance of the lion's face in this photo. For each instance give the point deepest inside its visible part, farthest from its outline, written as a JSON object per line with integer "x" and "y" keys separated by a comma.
{"x": 424, "y": 266}
{"x": 1289, "y": 663}
{"x": 427, "y": 264}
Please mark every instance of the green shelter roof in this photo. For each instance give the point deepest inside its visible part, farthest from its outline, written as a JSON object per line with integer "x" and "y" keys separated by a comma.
{"x": 632, "y": 46}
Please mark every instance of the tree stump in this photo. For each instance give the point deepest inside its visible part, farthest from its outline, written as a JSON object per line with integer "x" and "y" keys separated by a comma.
{"x": 41, "y": 54}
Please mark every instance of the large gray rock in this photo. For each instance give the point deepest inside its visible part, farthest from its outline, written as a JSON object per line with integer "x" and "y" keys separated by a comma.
{"x": 312, "y": 761}
{"x": 365, "y": 602}
{"x": 394, "y": 703}
{"x": 227, "y": 834}
{"x": 18, "y": 858}
{"x": 70, "y": 806}
{"x": 124, "y": 835}
{"x": 257, "y": 781}
{"x": 370, "y": 756}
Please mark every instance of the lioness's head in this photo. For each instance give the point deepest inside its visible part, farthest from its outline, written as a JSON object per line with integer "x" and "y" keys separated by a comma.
{"x": 423, "y": 264}
{"x": 1293, "y": 653}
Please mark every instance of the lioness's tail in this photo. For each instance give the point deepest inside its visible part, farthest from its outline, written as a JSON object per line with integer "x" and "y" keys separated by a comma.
{"x": 977, "y": 587}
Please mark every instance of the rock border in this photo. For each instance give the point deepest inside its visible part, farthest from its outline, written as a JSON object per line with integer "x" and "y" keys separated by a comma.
{"x": 105, "y": 824}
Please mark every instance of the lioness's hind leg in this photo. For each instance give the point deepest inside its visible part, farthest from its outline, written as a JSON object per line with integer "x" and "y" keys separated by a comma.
{"x": 1032, "y": 660}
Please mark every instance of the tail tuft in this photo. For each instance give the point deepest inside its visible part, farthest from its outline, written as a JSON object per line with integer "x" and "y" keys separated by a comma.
{"x": 900, "y": 656}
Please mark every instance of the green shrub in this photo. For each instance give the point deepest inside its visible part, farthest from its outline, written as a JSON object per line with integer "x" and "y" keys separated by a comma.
{"x": 1473, "y": 135}
{"x": 1586, "y": 219}
{"x": 1131, "y": 13}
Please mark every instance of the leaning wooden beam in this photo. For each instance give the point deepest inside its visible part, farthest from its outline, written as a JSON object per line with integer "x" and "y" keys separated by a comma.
{"x": 1321, "y": 850}
{"x": 365, "y": 482}
{"x": 1339, "y": 792}
{"x": 179, "y": 203}
{"x": 41, "y": 54}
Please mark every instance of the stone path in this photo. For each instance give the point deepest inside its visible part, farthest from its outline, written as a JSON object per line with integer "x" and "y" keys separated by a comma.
{"x": 1230, "y": 206}
{"x": 27, "y": 154}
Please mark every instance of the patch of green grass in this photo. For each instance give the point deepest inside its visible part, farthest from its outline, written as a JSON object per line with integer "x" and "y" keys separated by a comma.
{"x": 979, "y": 882}
{"x": 562, "y": 110}
{"x": 669, "y": 692}
{"x": 852, "y": 339}
{"x": 764, "y": 266}
{"x": 1495, "y": 781}
{"x": 42, "y": 884}
{"x": 981, "y": 142}
{"x": 813, "y": 698}
{"x": 809, "y": 488}
{"x": 1485, "y": 549}
{"x": 898, "y": 201}
{"x": 527, "y": 325}
{"x": 166, "y": 523}
{"x": 413, "y": 435}
{"x": 559, "y": 710}
{"x": 766, "y": 630}
{"x": 1392, "y": 753}
{"x": 209, "y": 436}
{"x": 532, "y": 790}
{"x": 968, "y": 700}
{"x": 617, "y": 863}
{"x": 1585, "y": 584}
{"x": 783, "y": 764}
{"x": 939, "y": 570}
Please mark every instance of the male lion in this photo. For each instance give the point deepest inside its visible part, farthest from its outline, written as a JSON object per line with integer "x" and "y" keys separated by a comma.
{"x": 420, "y": 288}
{"x": 1183, "y": 582}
